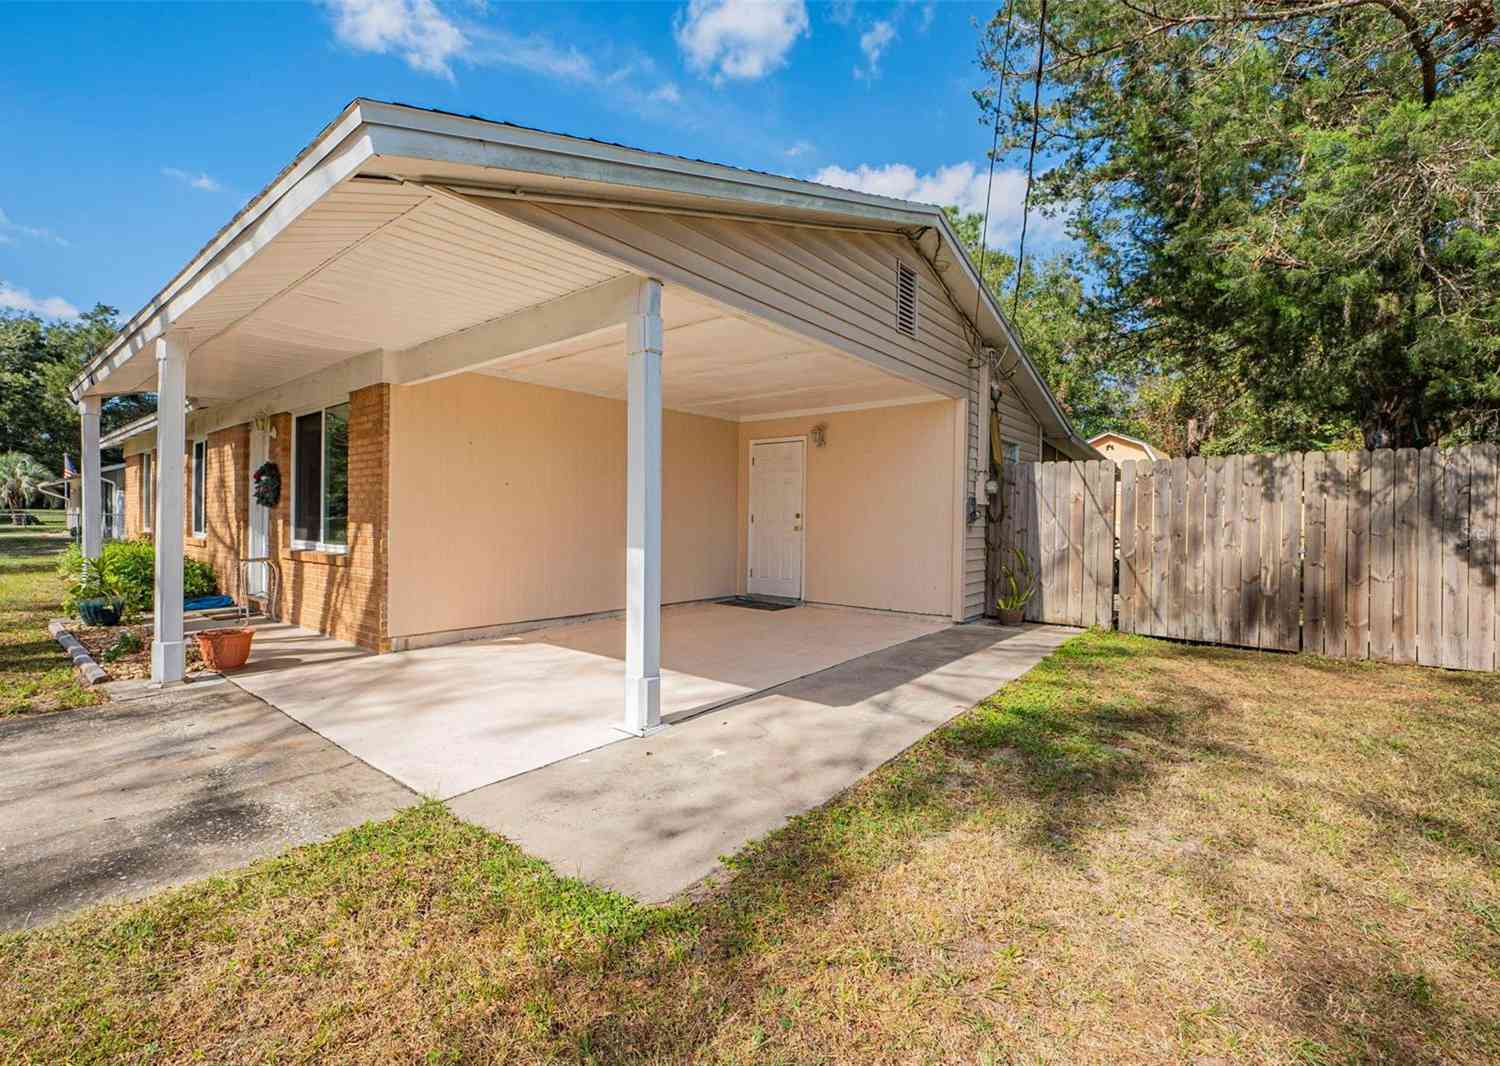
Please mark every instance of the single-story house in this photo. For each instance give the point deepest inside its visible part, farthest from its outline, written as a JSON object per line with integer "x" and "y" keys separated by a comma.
{"x": 1120, "y": 447}
{"x": 69, "y": 490}
{"x": 507, "y": 376}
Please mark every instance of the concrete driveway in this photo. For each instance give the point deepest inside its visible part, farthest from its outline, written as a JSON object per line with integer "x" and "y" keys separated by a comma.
{"x": 652, "y": 817}
{"x": 116, "y": 801}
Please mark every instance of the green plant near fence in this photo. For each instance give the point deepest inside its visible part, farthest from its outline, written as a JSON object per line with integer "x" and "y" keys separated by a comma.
{"x": 127, "y": 569}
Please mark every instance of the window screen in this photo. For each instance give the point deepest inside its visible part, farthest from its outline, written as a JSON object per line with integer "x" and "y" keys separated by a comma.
{"x": 148, "y": 490}
{"x": 200, "y": 464}
{"x": 307, "y": 490}
{"x": 336, "y": 475}
{"x": 321, "y": 456}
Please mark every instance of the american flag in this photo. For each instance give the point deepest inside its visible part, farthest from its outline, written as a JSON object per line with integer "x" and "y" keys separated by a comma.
{"x": 69, "y": 470}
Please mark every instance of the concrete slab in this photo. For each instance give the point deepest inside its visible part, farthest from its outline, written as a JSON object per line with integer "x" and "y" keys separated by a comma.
{"x": 166, "y": 787}
{"x": 651, "y": 817}
{"x": 446, "y": 720}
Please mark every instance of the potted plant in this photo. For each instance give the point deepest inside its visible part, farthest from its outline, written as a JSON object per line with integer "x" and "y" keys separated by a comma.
{"x": 1017, "y": 584}
{"x": 98, "y": 598}
{"x": 225, "y": 649}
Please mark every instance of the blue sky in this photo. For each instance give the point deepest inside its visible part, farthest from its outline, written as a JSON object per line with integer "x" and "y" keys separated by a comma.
{"x": 133, "y": 132}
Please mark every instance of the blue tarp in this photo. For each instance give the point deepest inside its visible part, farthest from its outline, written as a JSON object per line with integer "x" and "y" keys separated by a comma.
{"x": 206, "y": 603}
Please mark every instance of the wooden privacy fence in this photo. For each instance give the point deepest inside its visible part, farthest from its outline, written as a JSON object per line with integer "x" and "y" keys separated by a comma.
{"x": 1387, "y": 555}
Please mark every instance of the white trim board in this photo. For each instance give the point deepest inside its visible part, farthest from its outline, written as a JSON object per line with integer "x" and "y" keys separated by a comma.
{"x": 872, "y": 405}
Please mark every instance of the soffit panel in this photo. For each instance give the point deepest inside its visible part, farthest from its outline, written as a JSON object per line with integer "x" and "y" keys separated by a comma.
{"x": 718, "y": 363}
{"x": 373, "y": 266}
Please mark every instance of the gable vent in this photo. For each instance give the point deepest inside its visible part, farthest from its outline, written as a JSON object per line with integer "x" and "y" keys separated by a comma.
{"x": 906, "y": 299}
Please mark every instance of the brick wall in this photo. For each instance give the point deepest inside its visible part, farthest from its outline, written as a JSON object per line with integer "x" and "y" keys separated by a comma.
{"x": 226, "y": 505}
{"x": 342, "y": 594}
{"x": 136, "y": 522}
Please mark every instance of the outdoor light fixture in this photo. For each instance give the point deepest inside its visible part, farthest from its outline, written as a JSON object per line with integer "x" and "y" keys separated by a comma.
{"x": 819, "y": 434}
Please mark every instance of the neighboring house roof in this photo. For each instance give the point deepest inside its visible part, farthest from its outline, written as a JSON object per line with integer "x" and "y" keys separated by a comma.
{"x": 1154, "y": 453}
{"x": 408, "y": 145}
{"x": 119, "y": 435}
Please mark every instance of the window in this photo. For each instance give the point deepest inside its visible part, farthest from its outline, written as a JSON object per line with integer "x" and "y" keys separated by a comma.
{"x": 320, "y": 479}
{"x": 1012, "y": 452}
{"x": 148, "y": 490}
{"x": 200, "y": 483}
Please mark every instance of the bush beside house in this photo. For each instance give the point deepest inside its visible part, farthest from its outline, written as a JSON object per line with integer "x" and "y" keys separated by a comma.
{"x": 127, "y": 568}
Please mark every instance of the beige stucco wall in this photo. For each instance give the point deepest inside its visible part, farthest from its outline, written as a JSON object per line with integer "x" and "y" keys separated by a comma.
{"x": 508, "y": 505}
{"x": 880, "y": 499}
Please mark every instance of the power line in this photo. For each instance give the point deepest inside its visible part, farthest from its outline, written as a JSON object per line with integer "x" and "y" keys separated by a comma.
{"x": 1036, "y": 123}
{"x": 989, "y": 191}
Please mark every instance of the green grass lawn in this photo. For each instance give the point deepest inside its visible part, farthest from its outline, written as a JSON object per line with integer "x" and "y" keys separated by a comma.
{"x": 35, "y": 675}
{"x": 1142, "y": 852}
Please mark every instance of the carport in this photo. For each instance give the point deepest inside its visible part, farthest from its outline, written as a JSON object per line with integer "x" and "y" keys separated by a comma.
{"x": 511, "y": 382}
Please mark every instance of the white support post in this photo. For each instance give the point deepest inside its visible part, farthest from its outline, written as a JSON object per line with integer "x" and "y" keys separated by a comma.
{"x": 171, "y": 442}
{"x": 643, "y": 513}
{"x": 92, "y": 518}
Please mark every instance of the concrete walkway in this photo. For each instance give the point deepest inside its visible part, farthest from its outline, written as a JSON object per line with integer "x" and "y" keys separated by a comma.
{"x": 651, "y": 817}
{"x": 116, "y": 801}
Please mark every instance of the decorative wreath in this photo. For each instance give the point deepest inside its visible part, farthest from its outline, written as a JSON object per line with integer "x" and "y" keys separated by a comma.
{"x": 267, "y": 480}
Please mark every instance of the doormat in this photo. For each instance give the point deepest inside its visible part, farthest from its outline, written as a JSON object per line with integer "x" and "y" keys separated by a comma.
{"x": 758, "y": 605}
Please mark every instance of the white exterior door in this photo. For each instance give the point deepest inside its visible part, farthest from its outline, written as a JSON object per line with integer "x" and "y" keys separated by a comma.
{"x": 260, "y": 517}
{"x": 776, "y": 522}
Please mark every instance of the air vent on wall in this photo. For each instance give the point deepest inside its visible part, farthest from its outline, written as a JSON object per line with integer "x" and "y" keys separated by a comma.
{"x": 906, "y": 299}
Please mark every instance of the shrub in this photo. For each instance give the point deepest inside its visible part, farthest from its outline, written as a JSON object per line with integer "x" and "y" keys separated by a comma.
{"x": 70, "y": 562}
{"x": 130, "y": 565}
{"x": 198, "y": 579}
{"x": 128, "y": 569}
{"x": 127, "y": 643}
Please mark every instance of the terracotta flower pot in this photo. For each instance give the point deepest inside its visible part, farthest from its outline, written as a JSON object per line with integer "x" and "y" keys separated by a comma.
{"x": 225, "y": 649}
{"x": 1012, "y": 618}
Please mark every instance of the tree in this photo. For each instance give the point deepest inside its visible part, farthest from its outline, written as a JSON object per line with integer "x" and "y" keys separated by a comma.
{"x": 1289, "y": 210}
{"x": 1054, "y": 329}
{"x": 21, "y": 479}
{"x": 38, "y": 360}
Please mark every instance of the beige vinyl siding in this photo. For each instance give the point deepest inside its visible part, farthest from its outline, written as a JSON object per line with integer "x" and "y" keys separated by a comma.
{"x": 837, "y": 287}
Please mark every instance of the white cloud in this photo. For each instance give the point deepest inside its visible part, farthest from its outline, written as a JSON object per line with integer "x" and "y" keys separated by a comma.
{"x": 431, "y": 40}
{"x": 9, "y": 231}
{"x": 21, "y": 300}
{"x": 535, "y": 54}
{"x": 841, "y": 12}
{"x": 929, "y": 12}
{"x": 199, "y": 180}
{"x": 960, "y": 185}
{"x": 800, "y": 148}
{"x": 416, "y": 30}
{"x": 873, "y": 43}
{"x": 739, "y": 39}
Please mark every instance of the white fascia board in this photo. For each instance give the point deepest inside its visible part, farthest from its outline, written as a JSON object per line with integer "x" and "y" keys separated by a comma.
{"x": 332, "y": 158}
{"x": 416, "y": 134}
{"x": 119, "y": 436}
